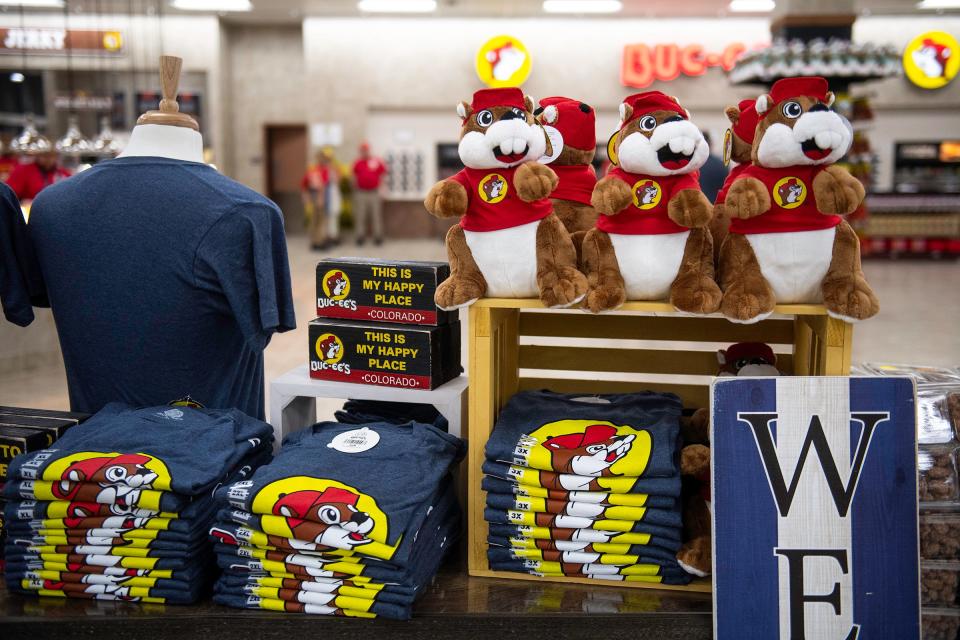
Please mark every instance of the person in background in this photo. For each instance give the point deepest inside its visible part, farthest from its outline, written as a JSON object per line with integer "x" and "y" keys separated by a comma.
{"x": 313, "y": 189}
{"x": 712, "y": 173}
{"x": 8, "y": 161}
{"x": 334, "y": 197}
{"x": 30, "y": 178}
{"x": 368, "y": 172}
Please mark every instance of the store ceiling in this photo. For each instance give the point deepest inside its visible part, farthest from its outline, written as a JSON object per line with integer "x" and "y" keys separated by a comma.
{"x": 294, "y": 10}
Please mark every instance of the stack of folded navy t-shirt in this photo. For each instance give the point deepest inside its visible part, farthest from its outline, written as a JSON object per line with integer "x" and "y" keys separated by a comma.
{"x": 348, "y": 519}
{"x": 586, "y": 486}
{"x": 120, "y": 507}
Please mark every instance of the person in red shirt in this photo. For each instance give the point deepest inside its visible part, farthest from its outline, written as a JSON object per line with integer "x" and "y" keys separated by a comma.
{"x": 368, "y": 172}
{"x": 313, "y": 188}
{"x": 29, "y": 179}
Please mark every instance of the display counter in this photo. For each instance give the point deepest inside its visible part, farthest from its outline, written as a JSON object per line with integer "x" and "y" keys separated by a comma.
{"x": 456, "y": 606}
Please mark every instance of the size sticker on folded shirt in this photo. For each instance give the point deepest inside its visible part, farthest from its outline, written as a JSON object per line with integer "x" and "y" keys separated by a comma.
{"x": 356, "y": 441}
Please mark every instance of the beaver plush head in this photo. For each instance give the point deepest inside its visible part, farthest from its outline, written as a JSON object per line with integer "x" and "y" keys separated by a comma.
{"x": 499, "y": 130}
{"x": 743, "y": 124}
{"x": 571, "y": 126}
{"x": 797, "y": 127}
{"x": 656, "y": 137}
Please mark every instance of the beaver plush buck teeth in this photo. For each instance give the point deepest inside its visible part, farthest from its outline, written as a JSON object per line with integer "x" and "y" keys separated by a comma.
{"x": 787, "y": 240}
{"x": 508, "y": 243}
{"x": 651, "y": 240}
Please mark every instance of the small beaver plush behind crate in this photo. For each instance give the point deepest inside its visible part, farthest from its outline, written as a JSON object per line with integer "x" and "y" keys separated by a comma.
{"x": 788, "y": 242}
{"x": 737, "y": 147}
{"x": 508, "y": 243}
{"x": 651, "y": 240}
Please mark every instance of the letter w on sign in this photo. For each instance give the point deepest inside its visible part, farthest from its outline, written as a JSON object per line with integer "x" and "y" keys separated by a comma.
{"x": 815, "y": 509}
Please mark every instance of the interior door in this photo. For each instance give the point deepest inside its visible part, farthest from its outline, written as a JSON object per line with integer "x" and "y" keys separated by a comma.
{"x": 286, "y": 162}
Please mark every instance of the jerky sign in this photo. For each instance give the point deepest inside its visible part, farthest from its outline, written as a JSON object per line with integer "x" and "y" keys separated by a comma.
{"x": 57, "y": 41}
{"x": 643, "y": 64}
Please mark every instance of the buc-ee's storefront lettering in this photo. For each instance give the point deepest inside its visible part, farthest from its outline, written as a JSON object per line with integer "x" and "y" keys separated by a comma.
{"x": 642, "y": 63}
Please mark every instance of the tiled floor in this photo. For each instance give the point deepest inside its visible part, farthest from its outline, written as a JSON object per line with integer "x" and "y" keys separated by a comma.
{"x": 919, "y": 322}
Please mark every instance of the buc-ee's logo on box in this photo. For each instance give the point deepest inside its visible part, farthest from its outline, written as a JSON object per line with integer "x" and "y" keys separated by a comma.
{"x": 336, "y": 288}
{"x": 330, "y": 351}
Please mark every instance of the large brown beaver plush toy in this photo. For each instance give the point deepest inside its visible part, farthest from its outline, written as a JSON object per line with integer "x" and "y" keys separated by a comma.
{"x": 508, "y": 243}
{"x": 787, "y": 240}
{"x": 651, "y": 240}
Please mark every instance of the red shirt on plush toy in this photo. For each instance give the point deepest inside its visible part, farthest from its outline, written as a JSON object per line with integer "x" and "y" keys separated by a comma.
{"x": 788, "y": 242}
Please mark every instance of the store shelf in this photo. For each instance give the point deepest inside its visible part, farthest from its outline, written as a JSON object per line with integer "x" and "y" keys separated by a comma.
{"x": 660, "y": 308}
{"x": 456, "y": 606}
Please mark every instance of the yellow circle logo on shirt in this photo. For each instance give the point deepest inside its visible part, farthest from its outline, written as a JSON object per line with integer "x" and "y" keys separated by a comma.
{"x": 336, "y": 284}
{"x": 493, "y": 188}
{"x": 329, "y": 348}
{"x": 727, "y": 146}
{"x": 503, "y": 61}
{"x": 589, "y": 448}
{"x": 646, "y": 194}
{"x": 789, "y": 192}
{"x": 932, "y": 59}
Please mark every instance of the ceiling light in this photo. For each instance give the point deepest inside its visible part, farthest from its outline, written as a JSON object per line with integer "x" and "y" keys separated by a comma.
{"x": 16, "y": 76}
{"x": 73, "y": 142}
{"x": 582, "y": 6}
{"x": 212, "y": 5}
{"x": 938, "y": 4}
{"x": 751, "y": 6}
{"x": 32, "y": 3}
{"x": 397, "y": 6}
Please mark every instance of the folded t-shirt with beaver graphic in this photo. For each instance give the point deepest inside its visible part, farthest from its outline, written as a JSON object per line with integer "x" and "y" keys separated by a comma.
{"x": 575, "y": 570}
{"x": 346, "y": 486}
{"x": 509, "y": 488}
{"x": 551, "y": 480}
{"x": 602, "y": 436}
{"x": 586, "y": 510}
{"x": 123, "y": 450}
{"x": 563, "y": 521}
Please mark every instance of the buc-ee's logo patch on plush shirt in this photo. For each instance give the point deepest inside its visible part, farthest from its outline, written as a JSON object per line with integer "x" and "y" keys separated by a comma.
{"x": 646, "y": 194}
{"x": 336, "y": 284}
{"x": 789, "y": 192}
{"x": 493, "y": 188}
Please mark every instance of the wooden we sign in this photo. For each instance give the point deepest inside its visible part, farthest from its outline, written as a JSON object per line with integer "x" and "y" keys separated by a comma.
{"x": 815, "y": 509}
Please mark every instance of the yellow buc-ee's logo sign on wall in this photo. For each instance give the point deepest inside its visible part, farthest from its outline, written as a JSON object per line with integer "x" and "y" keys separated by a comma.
{"x": 932, "y": 59}
{"x": 503, "y": 61}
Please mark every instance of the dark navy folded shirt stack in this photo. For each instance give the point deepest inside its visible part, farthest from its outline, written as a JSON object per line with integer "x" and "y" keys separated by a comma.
{"x": 348, "y": 520}
{"x": 586, "y": 486}
{"x": 119, "y": 508}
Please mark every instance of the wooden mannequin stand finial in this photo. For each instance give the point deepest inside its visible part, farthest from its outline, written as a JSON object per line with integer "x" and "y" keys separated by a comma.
{"x": 169, "y": 113}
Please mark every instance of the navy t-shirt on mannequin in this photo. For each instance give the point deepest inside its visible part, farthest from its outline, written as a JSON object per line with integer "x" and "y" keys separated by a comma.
{"x": 166, "y": 279}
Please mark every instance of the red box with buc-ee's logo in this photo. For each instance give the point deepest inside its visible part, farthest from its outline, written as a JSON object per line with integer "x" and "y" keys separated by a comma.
{"x": 388, "y": 355}
{"x": 399, "y": 292}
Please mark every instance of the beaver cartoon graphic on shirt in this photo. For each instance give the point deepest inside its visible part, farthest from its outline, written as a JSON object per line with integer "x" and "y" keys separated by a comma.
{"x": 493, "y": 188}
{"x": 646, "y": 194}
{"x": 790, "y": 192}
{"x": 119, "y": 477}
{"x": 328, "y": 517}
{"x": 590, "y": 453}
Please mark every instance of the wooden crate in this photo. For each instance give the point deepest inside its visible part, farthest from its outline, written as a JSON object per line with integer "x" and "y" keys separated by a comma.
{"x": 580, "y": 352}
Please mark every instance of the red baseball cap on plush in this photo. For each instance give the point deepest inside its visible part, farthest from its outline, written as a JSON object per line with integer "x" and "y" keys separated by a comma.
{"x": 575, "y": 120}
{"x": 591, "y": 435}
{"x": 503, "y": 97}
{"x": 746, "y": 126}
{"x": 810, "y": 86}
{"x": 650, "y": 101}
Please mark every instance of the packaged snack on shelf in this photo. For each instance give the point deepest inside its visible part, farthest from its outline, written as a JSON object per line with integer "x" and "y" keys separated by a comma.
{"x": 922, "y": 373}
{"x": 940, "y": 536}
{"x": 937, "y": 468}
{"x": 938, "y": 583}
{"x": 938, "y": 413}
{"x": 940, "y": 623}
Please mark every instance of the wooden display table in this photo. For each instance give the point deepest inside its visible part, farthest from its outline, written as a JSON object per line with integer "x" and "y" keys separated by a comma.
{"x": 455, "y": 607}
{"x": 517, "y": 345}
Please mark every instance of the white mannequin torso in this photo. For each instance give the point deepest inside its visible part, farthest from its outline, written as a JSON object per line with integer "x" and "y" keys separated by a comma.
{"x": 177, "y": 143}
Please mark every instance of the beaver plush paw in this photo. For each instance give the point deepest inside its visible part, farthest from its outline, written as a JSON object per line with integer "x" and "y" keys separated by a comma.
{"x": 747, "y": 198}
{"x": 850, "y": 299}
{"x": 446, "y": 199}
{"x": 457, "y": 292}
{"x": 534, "y": 181}
{"x": 695, "y": 294}
{"x": 690, "y": 208}
{"x": 611, "y": 196}
{"x": 605, "y": 298}
{"x": 837, "y": 192}
{"x": 695, "y": 557}
{"x": 563, "y": 287}
{"x": 746, "y": 304}
{"x": 694, "y": 460}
